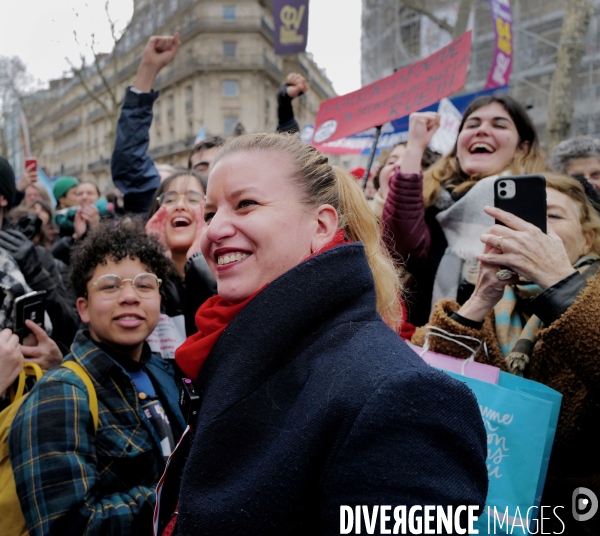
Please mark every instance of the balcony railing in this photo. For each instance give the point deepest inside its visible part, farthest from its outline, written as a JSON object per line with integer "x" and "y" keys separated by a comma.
{"x": 95, "y": 114}
{"x": 67, "y": 126}
{"x": 240, "y": 24}
{"x": 102, "y": 162}
{"x": 245, "y": 62}
{"x": 74, "y": 169}
{"x": 178, "y": 146}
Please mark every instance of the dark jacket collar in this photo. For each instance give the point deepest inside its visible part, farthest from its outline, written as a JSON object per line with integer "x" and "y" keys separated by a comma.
{"x": 102, "y": 368}
{"x": 130, "y": 365}
{"x": 291, "y": 312}
{"x": 100, "y": 362}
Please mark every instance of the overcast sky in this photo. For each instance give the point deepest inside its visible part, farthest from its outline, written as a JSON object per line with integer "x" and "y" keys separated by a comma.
{"x": 41, "y": 33}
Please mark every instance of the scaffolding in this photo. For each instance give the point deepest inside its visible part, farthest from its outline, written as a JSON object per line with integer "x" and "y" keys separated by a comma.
{"x": 394, "y": 35}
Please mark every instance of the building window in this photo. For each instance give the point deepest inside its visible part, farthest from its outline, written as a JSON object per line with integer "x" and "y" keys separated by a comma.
{"x": 157, "y": 112}
{"x": 189, "y": 98}
{"x": 229, "y": 49}
{"x": 229, "y": 13}
{"x": 170, "y": 106}
{"x": 231, "y": 88}
{"x": 229, "y": 124}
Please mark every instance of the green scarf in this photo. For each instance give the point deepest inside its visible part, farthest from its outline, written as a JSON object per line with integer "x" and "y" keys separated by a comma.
{"x": 517, "y": 333}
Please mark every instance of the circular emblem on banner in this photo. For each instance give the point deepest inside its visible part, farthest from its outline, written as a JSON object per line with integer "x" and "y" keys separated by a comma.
{"x": 325, "y": 131}
{"x": 307, "y": 134}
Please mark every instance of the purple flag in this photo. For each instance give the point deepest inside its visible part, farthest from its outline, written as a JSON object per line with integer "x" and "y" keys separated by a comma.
{"x": 503, "y": 50}
{"x": 291, "y": 25}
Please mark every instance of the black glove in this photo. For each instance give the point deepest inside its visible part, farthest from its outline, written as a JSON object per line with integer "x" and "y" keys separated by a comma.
{"x": 23, "y": 251}
{"x": 30, "y": 225}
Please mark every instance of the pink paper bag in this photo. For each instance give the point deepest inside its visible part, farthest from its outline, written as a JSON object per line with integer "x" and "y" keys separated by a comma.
{"x": 472, "y": 369}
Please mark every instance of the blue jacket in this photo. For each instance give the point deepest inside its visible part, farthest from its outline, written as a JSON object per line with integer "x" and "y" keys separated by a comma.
{"x": 133, "y": 171}
{"x": 310, "y": 402}
{"x": 71, "y": 480}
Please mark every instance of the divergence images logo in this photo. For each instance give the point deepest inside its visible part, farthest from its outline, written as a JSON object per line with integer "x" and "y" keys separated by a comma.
{"x": 582, "y": 499}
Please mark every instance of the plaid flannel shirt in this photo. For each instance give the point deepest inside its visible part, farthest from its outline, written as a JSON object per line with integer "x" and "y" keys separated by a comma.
{"x": 72, "y": 480}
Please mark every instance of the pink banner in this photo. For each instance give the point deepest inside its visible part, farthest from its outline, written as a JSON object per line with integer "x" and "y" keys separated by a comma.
{"x": 417, "y": 86}
{"x": 503, "y": 49}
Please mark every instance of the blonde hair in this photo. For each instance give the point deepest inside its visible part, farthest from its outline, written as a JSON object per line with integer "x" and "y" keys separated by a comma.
{"x": 446, "y": 172}
{"x": 42, "y": 191}
{"x": 321, "y": 183}
{"x": 588, "y": 217}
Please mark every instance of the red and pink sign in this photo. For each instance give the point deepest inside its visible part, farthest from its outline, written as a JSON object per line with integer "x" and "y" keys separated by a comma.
{"x": 503, "y": 49}
{"x": 415, "y": 87}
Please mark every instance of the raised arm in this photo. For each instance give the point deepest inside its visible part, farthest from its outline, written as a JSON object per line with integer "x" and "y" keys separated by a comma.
{"x": 295, "y": 85}
{"x": 405, "y": 229}
{"x": 133, "y": 171}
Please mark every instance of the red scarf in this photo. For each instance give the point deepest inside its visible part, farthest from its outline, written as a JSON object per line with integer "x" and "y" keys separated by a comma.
{"x": 213, "y": 316}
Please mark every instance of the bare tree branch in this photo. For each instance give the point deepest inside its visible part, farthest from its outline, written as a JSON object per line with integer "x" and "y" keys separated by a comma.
{"x": 16, "y": 83}
{"x": 106, "y": 94}
{"x": 78, "y": 72}
{"x": 568, "y": 63}
{"x": 100, "y": 71}
{"x": 115, "y": 56}
{"x": 462, "y": 18}
{"x": 442, "y": 23}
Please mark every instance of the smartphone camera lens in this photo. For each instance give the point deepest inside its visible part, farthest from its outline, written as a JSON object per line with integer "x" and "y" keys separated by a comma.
{"x": 502, "y": 185}
{"x": 502, "y": 193}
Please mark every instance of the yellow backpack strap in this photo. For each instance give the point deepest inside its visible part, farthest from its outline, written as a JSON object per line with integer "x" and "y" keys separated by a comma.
{"x": 93, "y": 399}
{"x": 29, "y": 369}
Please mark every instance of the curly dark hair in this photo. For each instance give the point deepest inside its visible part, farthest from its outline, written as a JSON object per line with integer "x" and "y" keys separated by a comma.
{"x": 115, "y": 240}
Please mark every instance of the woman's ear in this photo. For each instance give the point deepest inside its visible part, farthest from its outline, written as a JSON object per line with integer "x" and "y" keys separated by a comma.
{"x": 589, "y": 242}
{"x": 82, "y": 309}
{"x": 327, "y": 221}
{"x": 524, "y": 148}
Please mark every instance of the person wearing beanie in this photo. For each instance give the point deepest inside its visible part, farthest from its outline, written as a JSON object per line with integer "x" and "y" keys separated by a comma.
{"x": 7, "y": 187}
{"x": 65, "y": 192}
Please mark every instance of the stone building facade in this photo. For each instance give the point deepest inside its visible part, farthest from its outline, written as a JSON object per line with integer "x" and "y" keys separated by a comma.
{"x": 224, "y": 78}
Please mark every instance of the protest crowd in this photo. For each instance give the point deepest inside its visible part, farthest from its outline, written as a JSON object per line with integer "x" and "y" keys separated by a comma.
{"x": 248, "y": 330}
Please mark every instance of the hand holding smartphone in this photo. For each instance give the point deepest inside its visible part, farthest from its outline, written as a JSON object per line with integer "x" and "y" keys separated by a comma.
{"x": 31, "y": 165}
{"x": 31, "y": 306}
{"x": 524, "y": 196}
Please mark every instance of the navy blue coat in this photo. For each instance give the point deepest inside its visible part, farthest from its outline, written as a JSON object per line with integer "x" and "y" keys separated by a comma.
{"x": 132, "y": 169}
{"x": 309, "y": 402}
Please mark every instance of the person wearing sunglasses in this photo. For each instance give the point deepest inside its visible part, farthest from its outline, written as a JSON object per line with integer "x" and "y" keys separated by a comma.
{"x": 102, "y": 481}
{"x": 176, "y": 218}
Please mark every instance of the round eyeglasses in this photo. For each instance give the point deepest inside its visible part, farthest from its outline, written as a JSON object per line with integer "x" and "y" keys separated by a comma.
{"x": 170, "y": 199}
{"x": 110, "y": 286}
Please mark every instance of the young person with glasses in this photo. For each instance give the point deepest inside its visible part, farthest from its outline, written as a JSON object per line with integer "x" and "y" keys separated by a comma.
{"x": 176, "y": 219}
{"x": 103, "y": 481}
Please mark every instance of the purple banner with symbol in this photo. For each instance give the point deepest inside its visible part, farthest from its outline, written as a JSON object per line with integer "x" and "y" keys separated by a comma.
{"x": 503, "y": 49}
{"x": 291, "y": 25}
